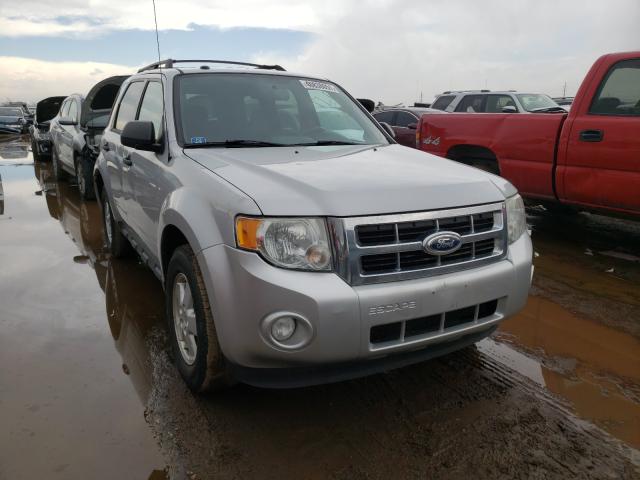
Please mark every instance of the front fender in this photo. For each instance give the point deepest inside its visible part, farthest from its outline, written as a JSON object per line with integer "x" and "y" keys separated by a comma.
{"x": 204, "y": 221}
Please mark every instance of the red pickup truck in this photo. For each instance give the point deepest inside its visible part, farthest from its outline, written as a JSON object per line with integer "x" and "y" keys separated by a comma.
{"x": 588, "y": 158}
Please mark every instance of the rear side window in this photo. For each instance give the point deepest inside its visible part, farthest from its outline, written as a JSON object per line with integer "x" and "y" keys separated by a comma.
{"x": 129, "y": 105}
{"x": 384, "y": 117}
{"x": 619, "y": 93}
{"x": 495, "y": 103}
{"x": 471, "y": 104}
{"x": 151, "y": 107}
{"x": 443, "y": 102}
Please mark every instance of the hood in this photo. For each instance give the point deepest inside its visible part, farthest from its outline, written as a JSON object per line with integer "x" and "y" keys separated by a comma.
{"x": 48, "y": 108}
{"x": 348, "y": 180}
{"x": 99, "y": 101}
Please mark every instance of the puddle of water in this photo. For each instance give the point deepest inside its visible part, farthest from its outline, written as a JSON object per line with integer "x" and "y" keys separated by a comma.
{"x": 594, "y": 254}
{"x": 594, "y": 367}
{"x": 65, "y": 391}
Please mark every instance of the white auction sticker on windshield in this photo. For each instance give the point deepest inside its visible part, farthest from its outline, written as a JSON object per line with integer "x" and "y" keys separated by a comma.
{"x": 316, "y": 85}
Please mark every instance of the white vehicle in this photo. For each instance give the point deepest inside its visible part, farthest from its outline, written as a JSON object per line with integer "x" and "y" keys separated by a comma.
{"x": 486, "y": 101}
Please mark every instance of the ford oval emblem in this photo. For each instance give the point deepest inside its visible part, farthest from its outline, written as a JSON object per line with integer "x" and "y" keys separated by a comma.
{"x": 442, "y": 243}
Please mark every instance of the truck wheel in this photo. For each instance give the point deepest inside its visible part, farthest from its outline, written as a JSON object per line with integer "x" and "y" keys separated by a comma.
{"x": 191, "y": 327}
{"x": 84, "y": 178}
{"x": 116, "y": 242}
{"x": 58, "y": 172}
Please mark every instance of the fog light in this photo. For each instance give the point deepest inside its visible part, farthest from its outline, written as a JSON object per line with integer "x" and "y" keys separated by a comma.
{"x": 283, "y": 328}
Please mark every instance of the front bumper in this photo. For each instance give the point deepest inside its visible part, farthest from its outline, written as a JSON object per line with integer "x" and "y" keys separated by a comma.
{"x": 243, "y": 289}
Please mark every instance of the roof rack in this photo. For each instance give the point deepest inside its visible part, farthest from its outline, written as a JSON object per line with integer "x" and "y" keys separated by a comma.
{"x": 465, "y": 91}
{"x": 169, "y": 62}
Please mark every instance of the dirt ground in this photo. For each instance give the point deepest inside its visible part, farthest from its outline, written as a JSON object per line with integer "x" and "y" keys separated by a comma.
{"x": 87, "y": 389}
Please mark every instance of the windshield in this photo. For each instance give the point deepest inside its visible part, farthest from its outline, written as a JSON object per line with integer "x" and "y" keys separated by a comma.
{"x": 536, "y": 101}
{"x": 10, "y": 112}
{"x": 229, "y": 109}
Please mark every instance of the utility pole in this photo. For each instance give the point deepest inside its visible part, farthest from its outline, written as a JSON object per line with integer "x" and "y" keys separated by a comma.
{"x": 564, "y": 90}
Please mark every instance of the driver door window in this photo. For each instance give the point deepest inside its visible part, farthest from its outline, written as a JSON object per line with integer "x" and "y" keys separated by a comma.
{"x": 619, "y": 93}
{"x": 495, "y": 103}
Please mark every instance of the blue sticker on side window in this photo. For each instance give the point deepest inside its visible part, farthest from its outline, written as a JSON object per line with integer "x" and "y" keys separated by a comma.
{"x": 198, "y": 139}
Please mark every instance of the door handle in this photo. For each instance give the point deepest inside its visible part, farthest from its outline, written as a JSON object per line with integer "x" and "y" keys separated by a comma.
{"x": 591, "y": 135}
{"x": 127, "y": 160}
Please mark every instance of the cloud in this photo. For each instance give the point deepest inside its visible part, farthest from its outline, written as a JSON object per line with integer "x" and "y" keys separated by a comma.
{"x": 389, "y": 50}
{"x": 31, "y": 80}
{"x": 73, "y": 17}
{"x": 393, "y": 51}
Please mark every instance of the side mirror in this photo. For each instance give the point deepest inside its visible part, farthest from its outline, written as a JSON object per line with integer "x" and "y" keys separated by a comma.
{"x": 140, "y": 135}
{"x": 370, "y": 105}
{"x": 509, "y": 109}
{"x": 412, "y": 126}
{"x": 388, "y": 129}
{"x": 67, "y": 121}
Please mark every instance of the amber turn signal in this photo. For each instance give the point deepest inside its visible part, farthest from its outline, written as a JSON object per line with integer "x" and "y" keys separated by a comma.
{"x": 247, "y": 232}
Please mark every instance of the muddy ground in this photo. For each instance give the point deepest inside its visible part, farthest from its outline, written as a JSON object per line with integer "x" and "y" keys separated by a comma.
{"x": 87, "y": 389}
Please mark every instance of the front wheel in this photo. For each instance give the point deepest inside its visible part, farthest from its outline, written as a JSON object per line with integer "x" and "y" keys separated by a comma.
{"x": 191, "y": 327}
{"x": 116, "y": 242}
{"x": 84, "y": 178}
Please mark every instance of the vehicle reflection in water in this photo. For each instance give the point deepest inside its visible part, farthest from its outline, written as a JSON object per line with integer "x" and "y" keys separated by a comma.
{"x": 1, "y": 197}
{"x": 13, "y": 147}
{"x": 133, "y": 296}
{"x": 595, "y": 367}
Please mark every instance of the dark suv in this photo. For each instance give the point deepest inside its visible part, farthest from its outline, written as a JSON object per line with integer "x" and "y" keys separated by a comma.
{"x": 76, "y": 131}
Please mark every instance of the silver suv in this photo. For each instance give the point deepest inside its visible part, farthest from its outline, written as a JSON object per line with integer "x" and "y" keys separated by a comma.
{"x": 296, "y": 241}
{"x": 487, "y": 101}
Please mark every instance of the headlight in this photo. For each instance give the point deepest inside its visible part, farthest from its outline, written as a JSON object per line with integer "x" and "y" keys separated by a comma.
{"x": 298, "y": 243}
{"x": 516, "y": 219}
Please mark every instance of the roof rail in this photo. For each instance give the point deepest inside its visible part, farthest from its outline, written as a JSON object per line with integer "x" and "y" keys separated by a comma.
{"x": 446, "y": 92}
{"x": 169, "y": 62}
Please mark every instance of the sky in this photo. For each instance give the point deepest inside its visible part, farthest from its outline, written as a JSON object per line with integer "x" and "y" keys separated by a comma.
{"x": 388, "y": 50}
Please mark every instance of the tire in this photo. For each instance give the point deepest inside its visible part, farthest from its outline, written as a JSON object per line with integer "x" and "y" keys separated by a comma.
{"x": 115, "y": 241}
{"x": 84, "y": 178}
{"x": 192, "y": 331}
{"x": 58, "y": 172}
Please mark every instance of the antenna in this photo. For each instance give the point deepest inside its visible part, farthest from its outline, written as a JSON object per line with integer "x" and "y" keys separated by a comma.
{"x": 164, "y": 113}
{"x": 155, "y": 20}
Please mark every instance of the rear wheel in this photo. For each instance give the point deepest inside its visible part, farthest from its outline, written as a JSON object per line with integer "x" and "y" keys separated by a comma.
{"x": 192, "y": 330}
{"x": 116, "y": 242}
{"x": 84, "y": 178}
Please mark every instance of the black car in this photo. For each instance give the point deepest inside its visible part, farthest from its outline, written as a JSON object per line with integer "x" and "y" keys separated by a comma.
{"x": 12, "y": 120}
{"x": 26, "y": 113}
{"x": 76, "y": 132}
{"x": 40, "y": 139}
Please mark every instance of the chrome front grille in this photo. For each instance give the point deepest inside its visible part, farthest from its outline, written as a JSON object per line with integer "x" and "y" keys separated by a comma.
{"x": 388, "y": 248}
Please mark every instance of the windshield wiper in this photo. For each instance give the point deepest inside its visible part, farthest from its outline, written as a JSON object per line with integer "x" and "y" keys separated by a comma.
{"x": 236, "y": 144}
{"x": 321, "y": 143}
{"x": 549, "y": 109}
